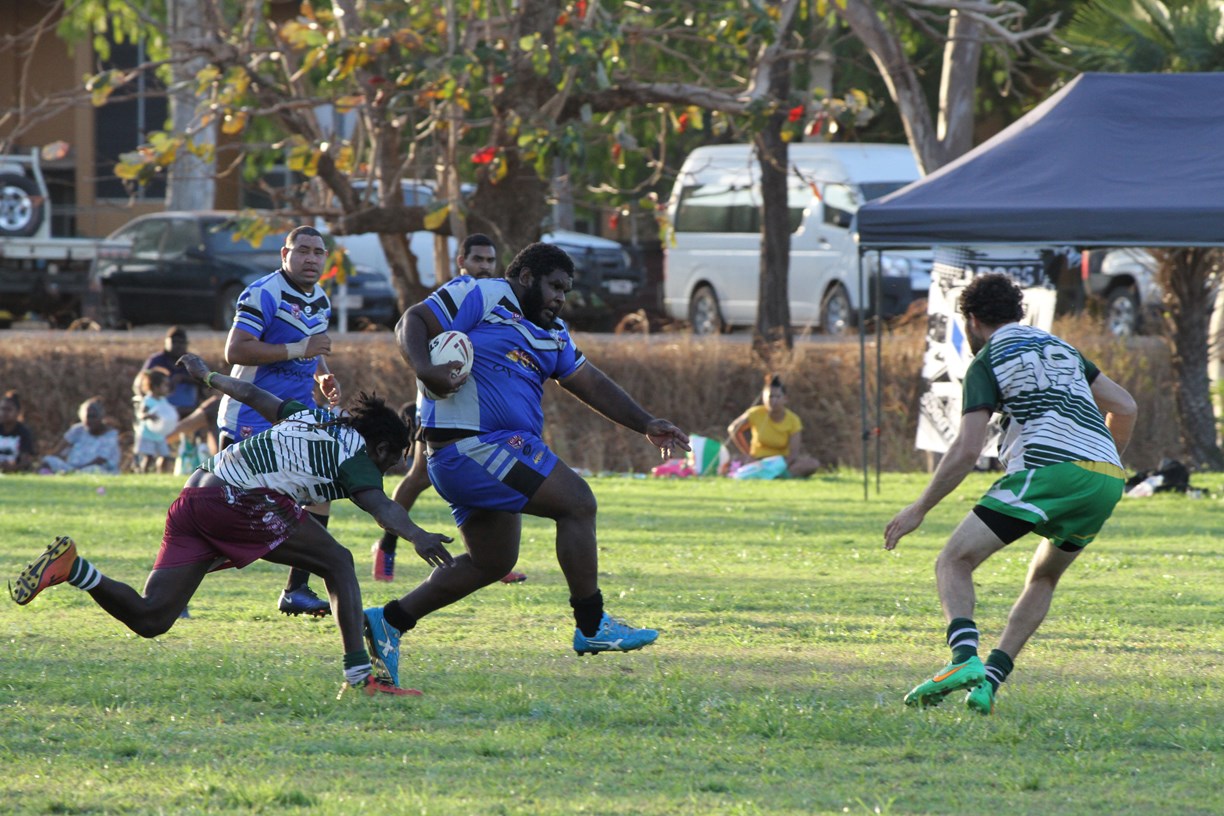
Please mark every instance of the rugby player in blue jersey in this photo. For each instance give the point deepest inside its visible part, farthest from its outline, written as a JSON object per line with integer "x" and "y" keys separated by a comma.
{"x": 279, "y": 342}
{"x": 486, "y": 454}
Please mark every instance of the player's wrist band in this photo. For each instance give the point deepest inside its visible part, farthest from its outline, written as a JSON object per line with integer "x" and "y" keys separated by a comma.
{"x": 208, "y": 378}
{"x": 295, "y": 350}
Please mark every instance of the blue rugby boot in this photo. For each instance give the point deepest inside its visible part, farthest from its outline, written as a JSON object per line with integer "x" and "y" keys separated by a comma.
{"x": 303, "y": 601}
{"x": 613, "y": 636}
{"x": 383, "y": 642}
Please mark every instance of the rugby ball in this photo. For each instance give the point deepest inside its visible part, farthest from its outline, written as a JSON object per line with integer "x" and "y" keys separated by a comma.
{"x": 449, "y": 347}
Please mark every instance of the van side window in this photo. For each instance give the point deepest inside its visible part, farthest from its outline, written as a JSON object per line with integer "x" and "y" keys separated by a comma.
{"x": 718, "y": 207}
{"x": 733, "y": 208}
{"x": 840, "y": 205}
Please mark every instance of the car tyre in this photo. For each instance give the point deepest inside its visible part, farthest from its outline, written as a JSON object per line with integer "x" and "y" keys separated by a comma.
{"x": 1122, "y": 311}
{"x": 704, "y": 314}
{"x": 111, "y": 310}
{"x": 227, "y": 307}
{"x": 836, "y": 314}
{"x": 21, "y": 212}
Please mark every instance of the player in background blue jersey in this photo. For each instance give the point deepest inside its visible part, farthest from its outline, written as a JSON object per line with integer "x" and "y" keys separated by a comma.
{"x": 279, "y": 342}
{"x": 486, "y": 454}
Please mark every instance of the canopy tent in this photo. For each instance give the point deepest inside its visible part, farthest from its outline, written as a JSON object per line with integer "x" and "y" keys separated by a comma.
{"x": 1110, "y": 160}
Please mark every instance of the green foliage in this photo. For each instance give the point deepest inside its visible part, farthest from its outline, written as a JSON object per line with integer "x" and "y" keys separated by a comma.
{"x": 788, "y": 637}
{"x": 103, "y": 22}
{"x": 1146, "y": 36}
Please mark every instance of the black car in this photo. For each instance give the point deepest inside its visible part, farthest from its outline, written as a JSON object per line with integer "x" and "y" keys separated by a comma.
{"x": 186, "y": 267}
{"x": 608, "y": 283}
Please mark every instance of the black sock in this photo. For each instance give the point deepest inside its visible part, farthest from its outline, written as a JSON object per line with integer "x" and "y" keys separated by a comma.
{"x": 387, "y": 542}
{"x": 397, "y": 617}
{"x": 963, "y": 638}
{"x": 998, "y": 666}
{"x": 588, "y": 612}
{"x": 299, "y": 578}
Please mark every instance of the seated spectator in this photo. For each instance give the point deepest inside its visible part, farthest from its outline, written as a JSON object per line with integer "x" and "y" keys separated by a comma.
{"x": 156, "y": 418}
{"x": 770, "y": 436}
{"x": 16, "y": 441}
{"x": 184, "y": 391}
{"x": 89, "y": 446}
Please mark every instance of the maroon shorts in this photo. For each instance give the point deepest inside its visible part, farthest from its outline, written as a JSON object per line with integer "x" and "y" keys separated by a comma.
{"x": 225, "y": 524}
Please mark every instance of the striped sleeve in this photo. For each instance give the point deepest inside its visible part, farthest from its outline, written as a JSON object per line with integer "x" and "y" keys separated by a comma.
{"x": 458, "y": 305}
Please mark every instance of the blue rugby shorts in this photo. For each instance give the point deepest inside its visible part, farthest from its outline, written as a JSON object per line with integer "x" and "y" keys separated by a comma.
{"x": 499, "y": 470}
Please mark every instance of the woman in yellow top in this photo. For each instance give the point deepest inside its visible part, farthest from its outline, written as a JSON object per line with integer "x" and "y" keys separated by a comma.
{"x": 773, "y": 430}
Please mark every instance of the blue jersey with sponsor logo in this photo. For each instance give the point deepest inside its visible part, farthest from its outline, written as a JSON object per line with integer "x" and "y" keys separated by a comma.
{"x": 513, "y": 359}
{"x": 274, "y": 311}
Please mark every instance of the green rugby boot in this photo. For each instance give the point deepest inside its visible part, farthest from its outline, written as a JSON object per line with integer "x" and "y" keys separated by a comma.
{"x": 950, "y": 678}
{"x": 981, "y": 699}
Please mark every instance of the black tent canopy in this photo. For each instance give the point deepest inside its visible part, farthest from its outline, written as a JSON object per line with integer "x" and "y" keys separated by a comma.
{"x": 1109, "y": 160}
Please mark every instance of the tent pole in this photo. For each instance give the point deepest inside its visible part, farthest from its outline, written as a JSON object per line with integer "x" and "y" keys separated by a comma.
{"x": 879, "y": 412}
{"x": 862, "y": 299}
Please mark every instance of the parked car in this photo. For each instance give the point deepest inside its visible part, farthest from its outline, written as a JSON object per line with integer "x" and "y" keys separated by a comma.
{"x": 186, "y": 267}
{"x": 608, "y": 283}
{"x": 1124, "y": 282}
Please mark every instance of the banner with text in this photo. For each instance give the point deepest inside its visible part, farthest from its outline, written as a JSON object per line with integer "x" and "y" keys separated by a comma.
{"x": 947, "y": 349}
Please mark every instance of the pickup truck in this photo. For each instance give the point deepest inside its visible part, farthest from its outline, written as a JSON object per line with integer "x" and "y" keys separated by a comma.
{"x": 40, "y": 274}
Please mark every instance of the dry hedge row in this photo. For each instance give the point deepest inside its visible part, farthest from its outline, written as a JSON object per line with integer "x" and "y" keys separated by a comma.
{"x": 700, "y": 385}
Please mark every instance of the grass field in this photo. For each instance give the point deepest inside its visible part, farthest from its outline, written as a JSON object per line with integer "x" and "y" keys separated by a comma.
{"x": 788, "y": 637}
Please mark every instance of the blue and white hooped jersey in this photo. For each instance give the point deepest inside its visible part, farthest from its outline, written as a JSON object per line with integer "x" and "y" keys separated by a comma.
{"x": 275, "y": 312}
{"x": 513, "y": 359}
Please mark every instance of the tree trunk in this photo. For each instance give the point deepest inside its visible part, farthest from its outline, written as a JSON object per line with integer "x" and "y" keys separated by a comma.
{"x": 773, "y": 327}
{"x": 773, "y": 324}
{"x": 958, "y": 85}
{"x": 888, "y": 53}
{"x": 510, "y": 211}
{"x": 403, "y": 264}
{"x": 191, "y": 183}
{"x": 1189, "y": 278}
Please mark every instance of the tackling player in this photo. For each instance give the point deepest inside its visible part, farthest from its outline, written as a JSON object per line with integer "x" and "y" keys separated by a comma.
{"x": 244, "y": 504}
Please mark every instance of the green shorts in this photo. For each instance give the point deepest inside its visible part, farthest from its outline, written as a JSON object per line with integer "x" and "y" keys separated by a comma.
{"x": 1067, "y": 503}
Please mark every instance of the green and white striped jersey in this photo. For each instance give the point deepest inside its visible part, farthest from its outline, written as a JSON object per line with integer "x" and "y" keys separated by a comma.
{"x": 301, "y": 457}
{"x": 1043, "y": 388}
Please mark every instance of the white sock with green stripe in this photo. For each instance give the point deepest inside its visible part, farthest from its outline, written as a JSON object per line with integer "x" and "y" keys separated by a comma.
{"x": 84, "y": 575}
{"x": 357, "y": 667}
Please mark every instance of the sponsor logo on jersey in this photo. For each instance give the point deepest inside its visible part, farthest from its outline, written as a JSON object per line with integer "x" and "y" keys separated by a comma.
{"x": 523, "y": 359}
{"x": 515, "y": 441}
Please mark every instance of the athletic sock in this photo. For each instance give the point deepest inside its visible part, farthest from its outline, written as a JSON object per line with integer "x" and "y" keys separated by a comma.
{"x": 588, "y": 612}
{"x": 387, "y": 542}
{"x": 395, "y": 615}
{"x": 84, "y": 575}
{"x": 357, "y": 666}
{"x": 963, "y": 639}
{"x": 998, "y": 665}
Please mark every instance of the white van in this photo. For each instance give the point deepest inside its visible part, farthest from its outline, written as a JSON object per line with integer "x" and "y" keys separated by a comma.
{"x": 711, "y": 270}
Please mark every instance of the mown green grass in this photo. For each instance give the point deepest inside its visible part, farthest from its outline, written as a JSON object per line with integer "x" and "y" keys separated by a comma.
{"x": 788, "y": 639}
